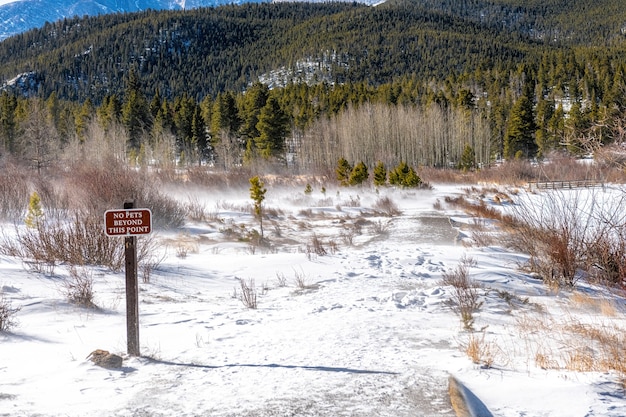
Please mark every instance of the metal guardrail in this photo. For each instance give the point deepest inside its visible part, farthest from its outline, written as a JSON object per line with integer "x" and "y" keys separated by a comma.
{"x": 564, "y": 184}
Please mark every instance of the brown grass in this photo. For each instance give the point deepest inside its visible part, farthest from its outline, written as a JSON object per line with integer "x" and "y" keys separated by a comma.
{"x": 481, "y": 352}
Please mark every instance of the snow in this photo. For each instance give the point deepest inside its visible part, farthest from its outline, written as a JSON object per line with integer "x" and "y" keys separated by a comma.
{"x": 369, "y": 333}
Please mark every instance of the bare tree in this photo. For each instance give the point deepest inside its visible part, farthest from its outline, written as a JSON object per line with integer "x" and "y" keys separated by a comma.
{"x": 420, "y": 136}
{"x": 39, "y": 140}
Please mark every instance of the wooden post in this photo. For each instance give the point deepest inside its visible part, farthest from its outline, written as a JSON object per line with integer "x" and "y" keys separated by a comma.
{"x": 132, "y": 291}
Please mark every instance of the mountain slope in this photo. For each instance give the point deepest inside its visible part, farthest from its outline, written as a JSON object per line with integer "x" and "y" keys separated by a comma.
{"x": 22, "y": 15}
{"x": 204, "y": 51}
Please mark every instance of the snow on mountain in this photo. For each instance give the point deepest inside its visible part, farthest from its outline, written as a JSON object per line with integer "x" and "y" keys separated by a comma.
{"x": 18, "y": 16}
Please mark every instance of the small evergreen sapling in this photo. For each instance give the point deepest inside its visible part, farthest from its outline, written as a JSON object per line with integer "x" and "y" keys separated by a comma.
{"x": 380, "y": 174}
{"x": 34, "y": 216}
{"x": 343, "y": 171}
{"x": 257, "y": 194}
{"x": 468, "y": 159}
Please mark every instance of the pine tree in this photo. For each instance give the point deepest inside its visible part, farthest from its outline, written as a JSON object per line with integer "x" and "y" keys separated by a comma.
{"x": 404, "y": 176}
{"x": 253, "y": 101}
{"x": 380, "y": 174}
{"x": 135, "y": 111}
{"x": 8, "y": 122}
{"x": 82, "y": 118}
{"x": 273, "y": 126}
{"x": 359, "y": 174}
{"x": 520, "y": 133}
{"x": 468, "y": 159}
{"x": 343, "y": 171}
{"x": 257, "y": 194}
{"x": 199, "y": 138}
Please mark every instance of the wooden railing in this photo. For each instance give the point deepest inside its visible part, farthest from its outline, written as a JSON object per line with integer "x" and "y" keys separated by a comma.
{"x": 564, "y": 184}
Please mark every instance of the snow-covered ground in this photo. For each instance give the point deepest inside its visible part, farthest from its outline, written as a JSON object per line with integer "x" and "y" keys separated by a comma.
{"x": 366, "y": 329}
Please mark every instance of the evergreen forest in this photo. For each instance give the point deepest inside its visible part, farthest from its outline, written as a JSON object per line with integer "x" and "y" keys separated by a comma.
{"x": 300, "y": 86}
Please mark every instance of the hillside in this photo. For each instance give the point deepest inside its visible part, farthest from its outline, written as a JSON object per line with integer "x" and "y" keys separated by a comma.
{"x": 208, "y": 50}
{"x": 19, "y": 16}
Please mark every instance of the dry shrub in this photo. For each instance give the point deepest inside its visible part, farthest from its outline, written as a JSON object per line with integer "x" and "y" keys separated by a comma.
{"x": 573, "y": 234}
{"x": 515, "y": 171}
{"x": 301, "y": 281}
{"x": 100, "y": 187}
{"x": 554, "y": 232}
{"x": 561, "y": 166}
{"x": 595, "y": 347}
{"x": 387, "y": 207}
{"x": 606, "y": 248}
{"x": 7, "y": 314}
{"x": 196, "y": 210}
{"x": 317, "y": 247}
{"x": 352, "y": 201}
{"x": 380, "y": 227}
{"x": 481, "y": 210}
{"x": 78, "y": 288}
{"x": 465, "y": 297}
{"x": 281, "y": 279}
{"x": 80, "y": 242}
{"x": 248, "y": 294}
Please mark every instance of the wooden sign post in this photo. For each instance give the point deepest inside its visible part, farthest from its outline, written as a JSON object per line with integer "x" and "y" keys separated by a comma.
{"x": 129, "y": 223}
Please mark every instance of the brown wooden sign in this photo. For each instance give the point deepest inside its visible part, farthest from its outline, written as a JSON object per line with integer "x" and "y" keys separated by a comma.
{"x": 128, "y": 222}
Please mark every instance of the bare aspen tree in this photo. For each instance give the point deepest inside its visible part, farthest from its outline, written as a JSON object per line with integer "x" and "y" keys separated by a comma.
{"x": 39, "y": 140}
{"x": 98, "y": 144}
{"x": 421, "y": 136}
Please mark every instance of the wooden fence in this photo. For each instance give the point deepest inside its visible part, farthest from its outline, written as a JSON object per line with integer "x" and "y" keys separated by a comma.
{"x": 565, "y": 184}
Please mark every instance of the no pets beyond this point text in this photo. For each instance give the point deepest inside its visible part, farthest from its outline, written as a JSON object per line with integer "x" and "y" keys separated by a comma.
{"x": 128, "y": 222}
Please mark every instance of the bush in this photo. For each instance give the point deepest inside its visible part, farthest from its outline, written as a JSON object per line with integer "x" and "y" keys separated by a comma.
{"x": 7, "y": 314}
{"x": 465, "y": 297}
{"x": 78, "y": 288}
{"x": 81, "y": 242}
{"x": 248, "y": 294}
{"x": 108, "y": 186}
{"x": 555, "y": 232}
{"x": 387, "y": 206}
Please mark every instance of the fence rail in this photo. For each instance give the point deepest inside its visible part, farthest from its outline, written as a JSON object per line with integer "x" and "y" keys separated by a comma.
{"x": 564, "y": 184}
